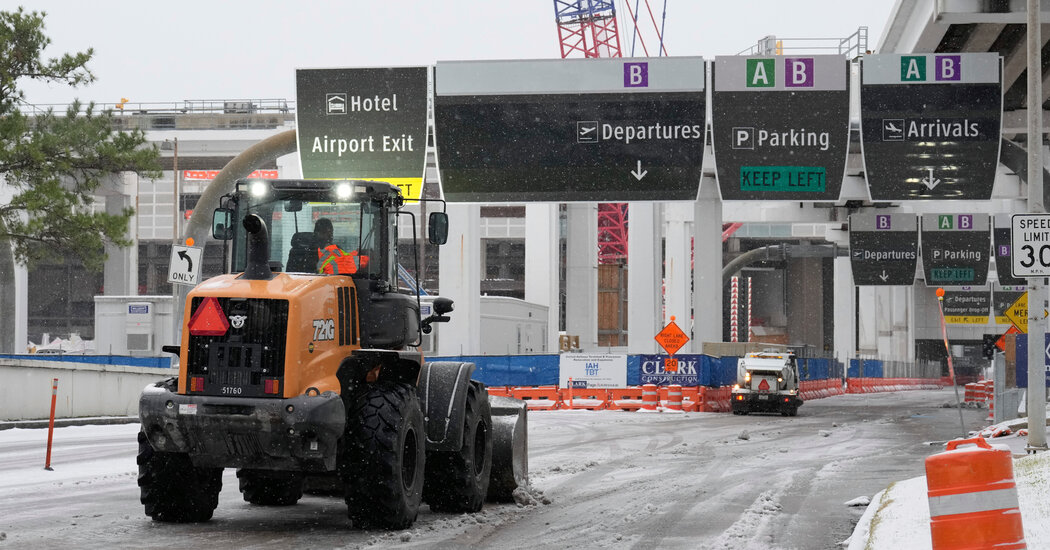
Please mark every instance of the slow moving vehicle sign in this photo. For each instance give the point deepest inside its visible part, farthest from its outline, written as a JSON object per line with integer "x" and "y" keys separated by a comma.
{"x": 368, "y": 123}
{"x": 955, "y": 249}
{"x": 884, "y": 248}
{"x": 930, "y": 125}
{"x": 570, "y": 130}
{"x": 780, "y": 126}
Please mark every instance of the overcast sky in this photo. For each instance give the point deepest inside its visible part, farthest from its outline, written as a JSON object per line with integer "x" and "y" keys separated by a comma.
{"x": 150, "y": 51}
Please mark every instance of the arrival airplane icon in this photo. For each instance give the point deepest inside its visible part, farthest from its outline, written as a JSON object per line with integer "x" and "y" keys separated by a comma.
{"x": 893, "y": 129}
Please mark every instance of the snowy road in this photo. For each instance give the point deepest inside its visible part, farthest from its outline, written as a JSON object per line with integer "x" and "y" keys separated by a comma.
{"x": 611, "y": 480}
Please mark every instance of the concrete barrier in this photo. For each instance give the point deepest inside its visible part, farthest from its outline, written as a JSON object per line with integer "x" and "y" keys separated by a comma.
{"x": 84, "y": 389}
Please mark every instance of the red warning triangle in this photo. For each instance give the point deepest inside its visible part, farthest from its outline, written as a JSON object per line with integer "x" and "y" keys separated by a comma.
{"x": 209, "y": 319}
{"x": 763, "y": 385}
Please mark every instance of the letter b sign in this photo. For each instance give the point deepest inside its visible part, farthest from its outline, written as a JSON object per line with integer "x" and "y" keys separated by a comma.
{"x": 635, "y": 75}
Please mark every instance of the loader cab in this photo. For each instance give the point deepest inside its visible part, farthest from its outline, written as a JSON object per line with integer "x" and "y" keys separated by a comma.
{"x": 364, "y": 217}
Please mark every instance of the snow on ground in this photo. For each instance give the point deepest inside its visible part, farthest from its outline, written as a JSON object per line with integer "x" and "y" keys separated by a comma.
{"x": 899, "y": 516}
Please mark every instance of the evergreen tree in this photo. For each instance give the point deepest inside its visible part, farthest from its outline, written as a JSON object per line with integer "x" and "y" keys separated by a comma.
{"x": 54, "y": 164}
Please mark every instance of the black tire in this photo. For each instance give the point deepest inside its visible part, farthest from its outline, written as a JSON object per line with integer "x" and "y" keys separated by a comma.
{"x": 172, "y": 489}
{"x": 270, "y": 488}
{"x": 457, "y": 481}
{"x": 793, "y": 411}
{"x": 382, "y": 463}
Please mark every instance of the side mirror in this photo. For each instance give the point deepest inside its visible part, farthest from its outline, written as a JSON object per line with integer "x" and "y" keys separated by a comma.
{"x": 222, "y": 224}
{"x": 437, "y": 226}
{"x": 442, "y": 305}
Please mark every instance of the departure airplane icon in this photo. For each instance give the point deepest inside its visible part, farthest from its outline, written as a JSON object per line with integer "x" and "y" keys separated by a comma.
{"x": 585, "y": 131}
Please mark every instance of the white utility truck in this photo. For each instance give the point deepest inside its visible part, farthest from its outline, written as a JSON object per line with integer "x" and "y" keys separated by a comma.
{"x": 767, "y": 381}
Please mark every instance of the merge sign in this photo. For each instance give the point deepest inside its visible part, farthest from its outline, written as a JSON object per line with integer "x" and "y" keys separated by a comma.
{"x": 884, "y": 248}
{"x": 570, "y": 130}
{"x": 1030, "y": 243}
{"x": 780, "y": 126}
{"x": 955, "y": 249}
{"x": 930, "y": 125}
{"x": 366, "y": 124}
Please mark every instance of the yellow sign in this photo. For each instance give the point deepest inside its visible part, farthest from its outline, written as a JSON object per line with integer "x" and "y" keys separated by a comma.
{"x": 966, "y": 319}
{"x": 1017, "y": 313}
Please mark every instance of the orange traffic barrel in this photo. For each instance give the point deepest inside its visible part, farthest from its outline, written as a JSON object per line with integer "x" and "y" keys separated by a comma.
{"x": 674, "y": 397}
{"x": 972, "y": 497}
{"x": 650, "y": 397}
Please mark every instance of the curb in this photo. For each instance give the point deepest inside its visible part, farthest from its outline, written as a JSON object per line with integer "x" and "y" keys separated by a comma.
{"x": 63, "y": 422}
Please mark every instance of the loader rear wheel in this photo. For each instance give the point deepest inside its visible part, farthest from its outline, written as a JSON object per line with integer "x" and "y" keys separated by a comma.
{"x": 270, "y": 488}
{"x": 173, "y": 489}
{"x": 457, "y": 481}
{"x": 382, "y": 463}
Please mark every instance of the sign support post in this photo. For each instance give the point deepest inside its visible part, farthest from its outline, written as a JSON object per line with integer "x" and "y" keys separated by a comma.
{"x": 1036, "y": 400}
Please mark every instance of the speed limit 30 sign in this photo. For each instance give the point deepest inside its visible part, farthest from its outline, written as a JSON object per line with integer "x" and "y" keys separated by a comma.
{"x": 1030, "y": 245}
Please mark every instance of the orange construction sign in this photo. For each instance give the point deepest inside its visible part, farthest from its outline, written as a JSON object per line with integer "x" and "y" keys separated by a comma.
{"x": 671, "y": 338}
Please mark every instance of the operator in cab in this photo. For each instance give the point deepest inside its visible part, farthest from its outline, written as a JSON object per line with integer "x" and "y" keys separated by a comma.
{"x": 330, "y": 258}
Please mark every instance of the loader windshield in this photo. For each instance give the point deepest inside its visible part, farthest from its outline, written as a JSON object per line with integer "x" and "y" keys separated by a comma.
{"x": 295, "y": 216}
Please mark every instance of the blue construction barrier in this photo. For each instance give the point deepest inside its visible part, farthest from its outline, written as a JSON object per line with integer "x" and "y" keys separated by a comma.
{"x": 121, "y": 360}
{"x": 702, "y": 370}
{"x": 865, "y": 368}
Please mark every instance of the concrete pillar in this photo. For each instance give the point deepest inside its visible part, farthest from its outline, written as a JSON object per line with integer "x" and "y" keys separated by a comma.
{"x": 121, "y": 270}
{"x": 844, "y": 307}
{"x": 644, "y": 302}
{"x": 677, "y": 297}
{"x": 460, "y": 281}
{"x": 581, "y": 274}
{"x": 867, "y": 331}
{"x": 541, "y": 264}
{"x": 707, "y": 268}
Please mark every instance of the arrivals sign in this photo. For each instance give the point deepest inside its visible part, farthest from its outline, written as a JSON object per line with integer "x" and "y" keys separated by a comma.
{"x": 930, "y": 125}
{"x": 570, "y": 130}
{"x": 955, "y": 249}
{"x": 780, "y": 126}
{"x": 363, "y": 124}
{"x": 884, "y": 248}
{"x": 967, "y": 307}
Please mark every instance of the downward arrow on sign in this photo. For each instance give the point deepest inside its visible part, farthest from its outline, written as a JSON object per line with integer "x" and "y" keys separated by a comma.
{"x": 639, "y": 173}
{"x": 185, "y": 256}
{"x": 884, "y": 276}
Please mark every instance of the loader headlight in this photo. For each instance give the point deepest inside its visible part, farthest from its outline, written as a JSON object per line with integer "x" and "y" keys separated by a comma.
{"x": 344, "y": 190}
{"x": 259, "y": 189}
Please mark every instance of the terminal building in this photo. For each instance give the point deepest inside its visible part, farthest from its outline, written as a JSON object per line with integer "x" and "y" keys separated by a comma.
{"x": 792, "y": 281}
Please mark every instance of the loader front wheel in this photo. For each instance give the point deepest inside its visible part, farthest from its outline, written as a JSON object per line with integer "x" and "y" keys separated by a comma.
{"x": 382, "y": 463}
{"x": 457, "y": 481}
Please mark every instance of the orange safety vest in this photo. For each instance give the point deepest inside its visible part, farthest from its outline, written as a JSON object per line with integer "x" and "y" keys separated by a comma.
{"x": 332, "y": 260}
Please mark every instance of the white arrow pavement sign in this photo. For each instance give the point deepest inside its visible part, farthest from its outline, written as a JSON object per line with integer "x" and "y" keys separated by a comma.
{"x": 930, "y": 182}
{"x": 639, "y": 173}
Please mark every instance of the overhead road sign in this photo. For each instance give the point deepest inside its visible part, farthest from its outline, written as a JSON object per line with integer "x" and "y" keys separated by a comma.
{"x": 780, "y": 126}
{"x": 884, "y": 248}
{"x": 1030, "y": 244}
{"x": 1003, "y": 299}
{"x": 570, "y": 130}
{"x": 955, "y": 249}
{"x": 368, "y": 124}
{"x": 930, "y": 125}
{"x": 967, "y": 306}
{"x": 1002, "y": 251}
